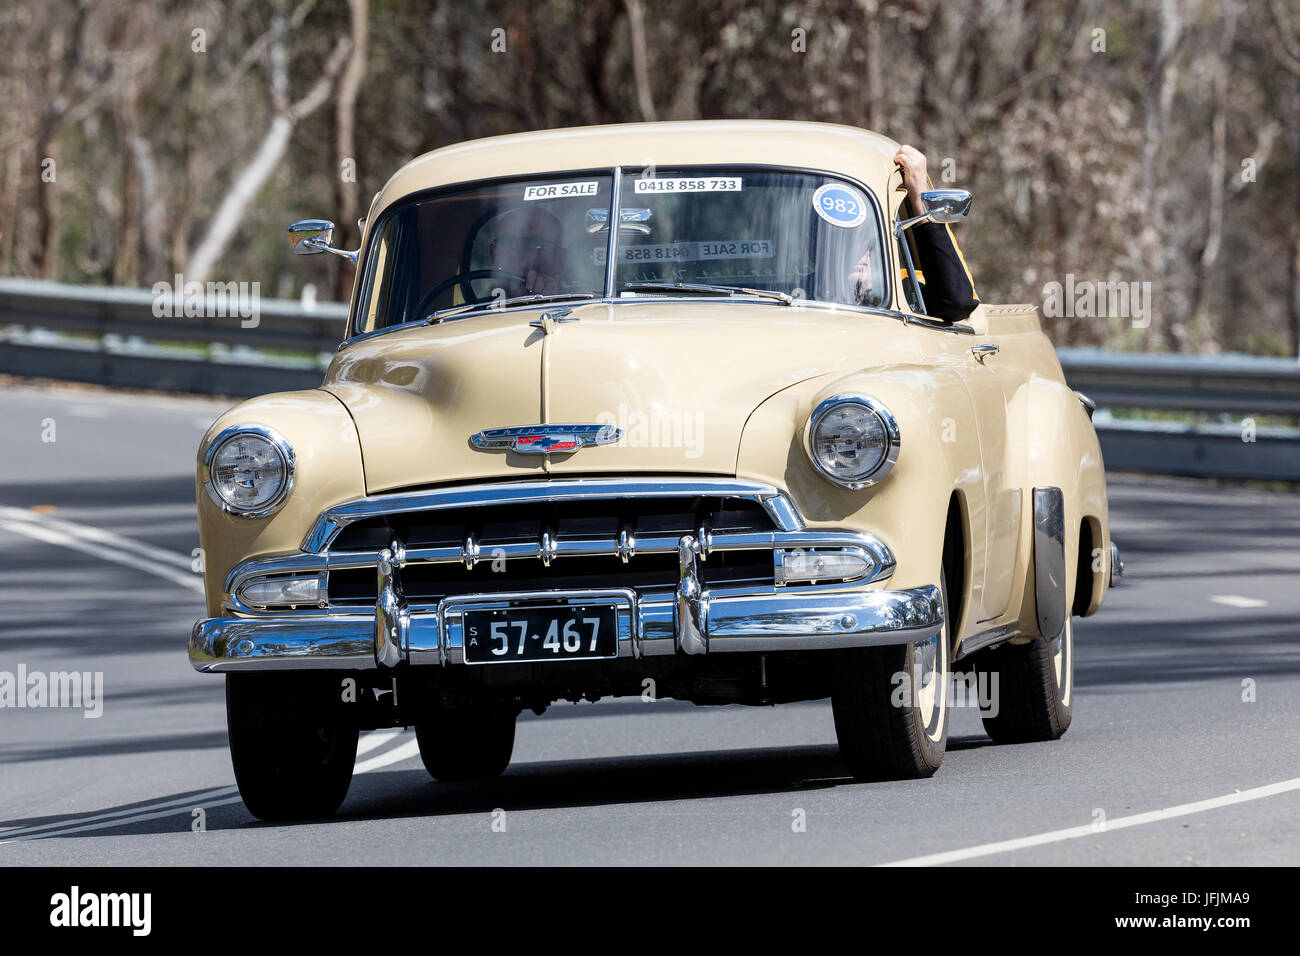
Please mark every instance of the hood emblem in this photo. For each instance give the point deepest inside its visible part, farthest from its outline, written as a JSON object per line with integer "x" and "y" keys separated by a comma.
{"x": 546, "y": 439}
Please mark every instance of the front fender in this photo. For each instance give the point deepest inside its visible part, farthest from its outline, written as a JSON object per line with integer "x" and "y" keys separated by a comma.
{"x": 939, "y": 454}
{"x": 327, "y": 471}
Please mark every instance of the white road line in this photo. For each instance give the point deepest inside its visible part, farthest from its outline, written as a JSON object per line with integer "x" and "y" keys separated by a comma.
{"x": 1087, "y": 830}
{"x": 110, "y": 824}
{"x": 407, "y": 750}
{"x": 375, "y": 738}
{"x": 207, "y": 799}
{"x": 91, "y": 533}
{"x": 160, "y": 563}
{"x": 1236, "y": 600}
{"x": 194, "y": 800}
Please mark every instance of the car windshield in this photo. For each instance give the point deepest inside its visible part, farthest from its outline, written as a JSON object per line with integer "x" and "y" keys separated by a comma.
{"x": 806, "y": 235}
{"x": 488, "y": 243}
{"x": 774, "y": 235}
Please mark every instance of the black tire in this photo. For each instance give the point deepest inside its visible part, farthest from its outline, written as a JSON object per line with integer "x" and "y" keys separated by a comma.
{"x": 470, "y": 743}
{"x": 291, "y": 744}
{"x": 1035, "y": 688}
{"x": 884, "y": 732}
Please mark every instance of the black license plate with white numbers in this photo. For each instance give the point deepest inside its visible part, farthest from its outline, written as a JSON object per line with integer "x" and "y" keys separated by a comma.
{"x": 557, "y": 632}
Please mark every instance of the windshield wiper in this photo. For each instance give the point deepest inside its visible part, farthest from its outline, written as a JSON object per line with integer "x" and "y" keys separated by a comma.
{"x": 433, "y": 318}
{"x": 701, "y": 288}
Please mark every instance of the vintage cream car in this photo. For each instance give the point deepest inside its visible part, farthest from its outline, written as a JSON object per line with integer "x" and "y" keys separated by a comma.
{"x": 710, "y": 454}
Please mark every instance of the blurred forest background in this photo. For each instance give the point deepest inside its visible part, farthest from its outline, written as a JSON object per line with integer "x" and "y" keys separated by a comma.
{"x": 1153, "y": 141}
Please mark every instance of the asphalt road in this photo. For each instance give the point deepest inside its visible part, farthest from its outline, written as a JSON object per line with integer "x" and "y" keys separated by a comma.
{"x": 1166, "y": 763}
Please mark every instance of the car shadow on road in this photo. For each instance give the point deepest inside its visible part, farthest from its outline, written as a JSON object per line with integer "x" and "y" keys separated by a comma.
{"x": 540, "y": 785}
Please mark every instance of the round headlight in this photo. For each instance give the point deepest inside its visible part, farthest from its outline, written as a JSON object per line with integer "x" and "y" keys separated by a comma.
{"x": 248, "y": 470}
{"x": 852, "y": 440}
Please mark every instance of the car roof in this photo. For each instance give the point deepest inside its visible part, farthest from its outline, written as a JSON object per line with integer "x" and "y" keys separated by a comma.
{"x": 846, "y": 150}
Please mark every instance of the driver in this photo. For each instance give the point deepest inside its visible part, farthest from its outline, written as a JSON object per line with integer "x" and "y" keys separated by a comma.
{"x": 529, "y": 249}
{"x": 941, "y": 271}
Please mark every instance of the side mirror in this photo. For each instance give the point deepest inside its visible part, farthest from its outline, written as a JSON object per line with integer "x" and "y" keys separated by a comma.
{"x": 311, "y": 237}
{"x": 947, "y": 205}
{"x": 941, "y": 205}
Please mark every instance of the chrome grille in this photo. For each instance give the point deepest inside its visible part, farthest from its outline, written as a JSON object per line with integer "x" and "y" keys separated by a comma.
{"x": 562, "y": 543}
{"x": 562, "y": 534}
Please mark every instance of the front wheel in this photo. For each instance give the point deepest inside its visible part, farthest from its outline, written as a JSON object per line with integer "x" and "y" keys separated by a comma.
{"x": 1032, "y": 699}
{"x": 291, "y": 744}
{"x": 891, "y": 706}
{"x": 470, "y": 743}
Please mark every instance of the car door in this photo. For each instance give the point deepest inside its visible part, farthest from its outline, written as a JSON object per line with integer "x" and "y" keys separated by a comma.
{"x": 993, "y": 501}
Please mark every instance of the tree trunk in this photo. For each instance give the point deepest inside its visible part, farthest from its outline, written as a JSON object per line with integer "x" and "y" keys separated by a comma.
{"x": 348, "y": 235}
{"x": 229, "y": 213}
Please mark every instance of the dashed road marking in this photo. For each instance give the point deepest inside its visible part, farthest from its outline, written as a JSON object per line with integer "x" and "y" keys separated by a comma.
{"x": 1236, "y": 600}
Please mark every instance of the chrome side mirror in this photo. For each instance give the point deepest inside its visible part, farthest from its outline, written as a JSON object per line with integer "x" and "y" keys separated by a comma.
{"x": 311, "y": 237}
{"x": 947, "y": 205}
{"x": 941, "y": 205}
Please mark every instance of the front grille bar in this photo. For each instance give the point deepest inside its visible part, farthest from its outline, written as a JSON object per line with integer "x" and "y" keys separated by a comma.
{"x": 328, "y": 526}
{"x": 558, "y": 549}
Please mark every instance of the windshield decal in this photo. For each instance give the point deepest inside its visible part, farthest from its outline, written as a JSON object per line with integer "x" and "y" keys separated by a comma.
{"x": 692, "y": 251}
{"x": 560, "y": 190}
{"x": 840, "y": 205}
{"x": 687, "y": 184}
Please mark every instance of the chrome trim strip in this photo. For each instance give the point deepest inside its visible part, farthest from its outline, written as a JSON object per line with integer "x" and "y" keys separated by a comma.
{"x": 1049, "y": 560}
{"x": 820, "y": 304}
{"x": 994, "y": 635}
{"x": 333, "y": 520}
{"x": 1116, "y": 565}
{"x": 615, "y": 223}
{"x": 736, "y": 623}
{"x": 957, "y": 328}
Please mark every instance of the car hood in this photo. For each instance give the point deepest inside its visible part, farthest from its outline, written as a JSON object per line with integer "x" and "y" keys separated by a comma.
{"x": 679, "y": 378}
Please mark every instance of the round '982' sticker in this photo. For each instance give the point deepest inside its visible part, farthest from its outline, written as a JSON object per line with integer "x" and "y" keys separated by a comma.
{"x": 840, "y": 205}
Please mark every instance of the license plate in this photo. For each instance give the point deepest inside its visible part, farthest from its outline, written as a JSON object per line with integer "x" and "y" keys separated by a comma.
{"x": 556, "y": 632}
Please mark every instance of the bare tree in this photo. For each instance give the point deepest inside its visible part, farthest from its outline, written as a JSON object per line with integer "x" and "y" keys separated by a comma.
{"x": 640, "y": 68}
{"x": 66, "y": 48}
{"x": 287, "y": 114}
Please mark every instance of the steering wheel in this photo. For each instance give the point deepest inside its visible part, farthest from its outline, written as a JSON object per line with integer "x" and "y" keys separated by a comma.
{"x": 464, "y": 278}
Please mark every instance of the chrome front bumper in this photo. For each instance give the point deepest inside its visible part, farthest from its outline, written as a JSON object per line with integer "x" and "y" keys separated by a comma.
{"x": 687, "y": 619}
{"x": 649, "y": 626}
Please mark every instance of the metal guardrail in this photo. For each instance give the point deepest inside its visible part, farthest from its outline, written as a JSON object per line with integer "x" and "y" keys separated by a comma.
{"x": 111, "y": 336}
